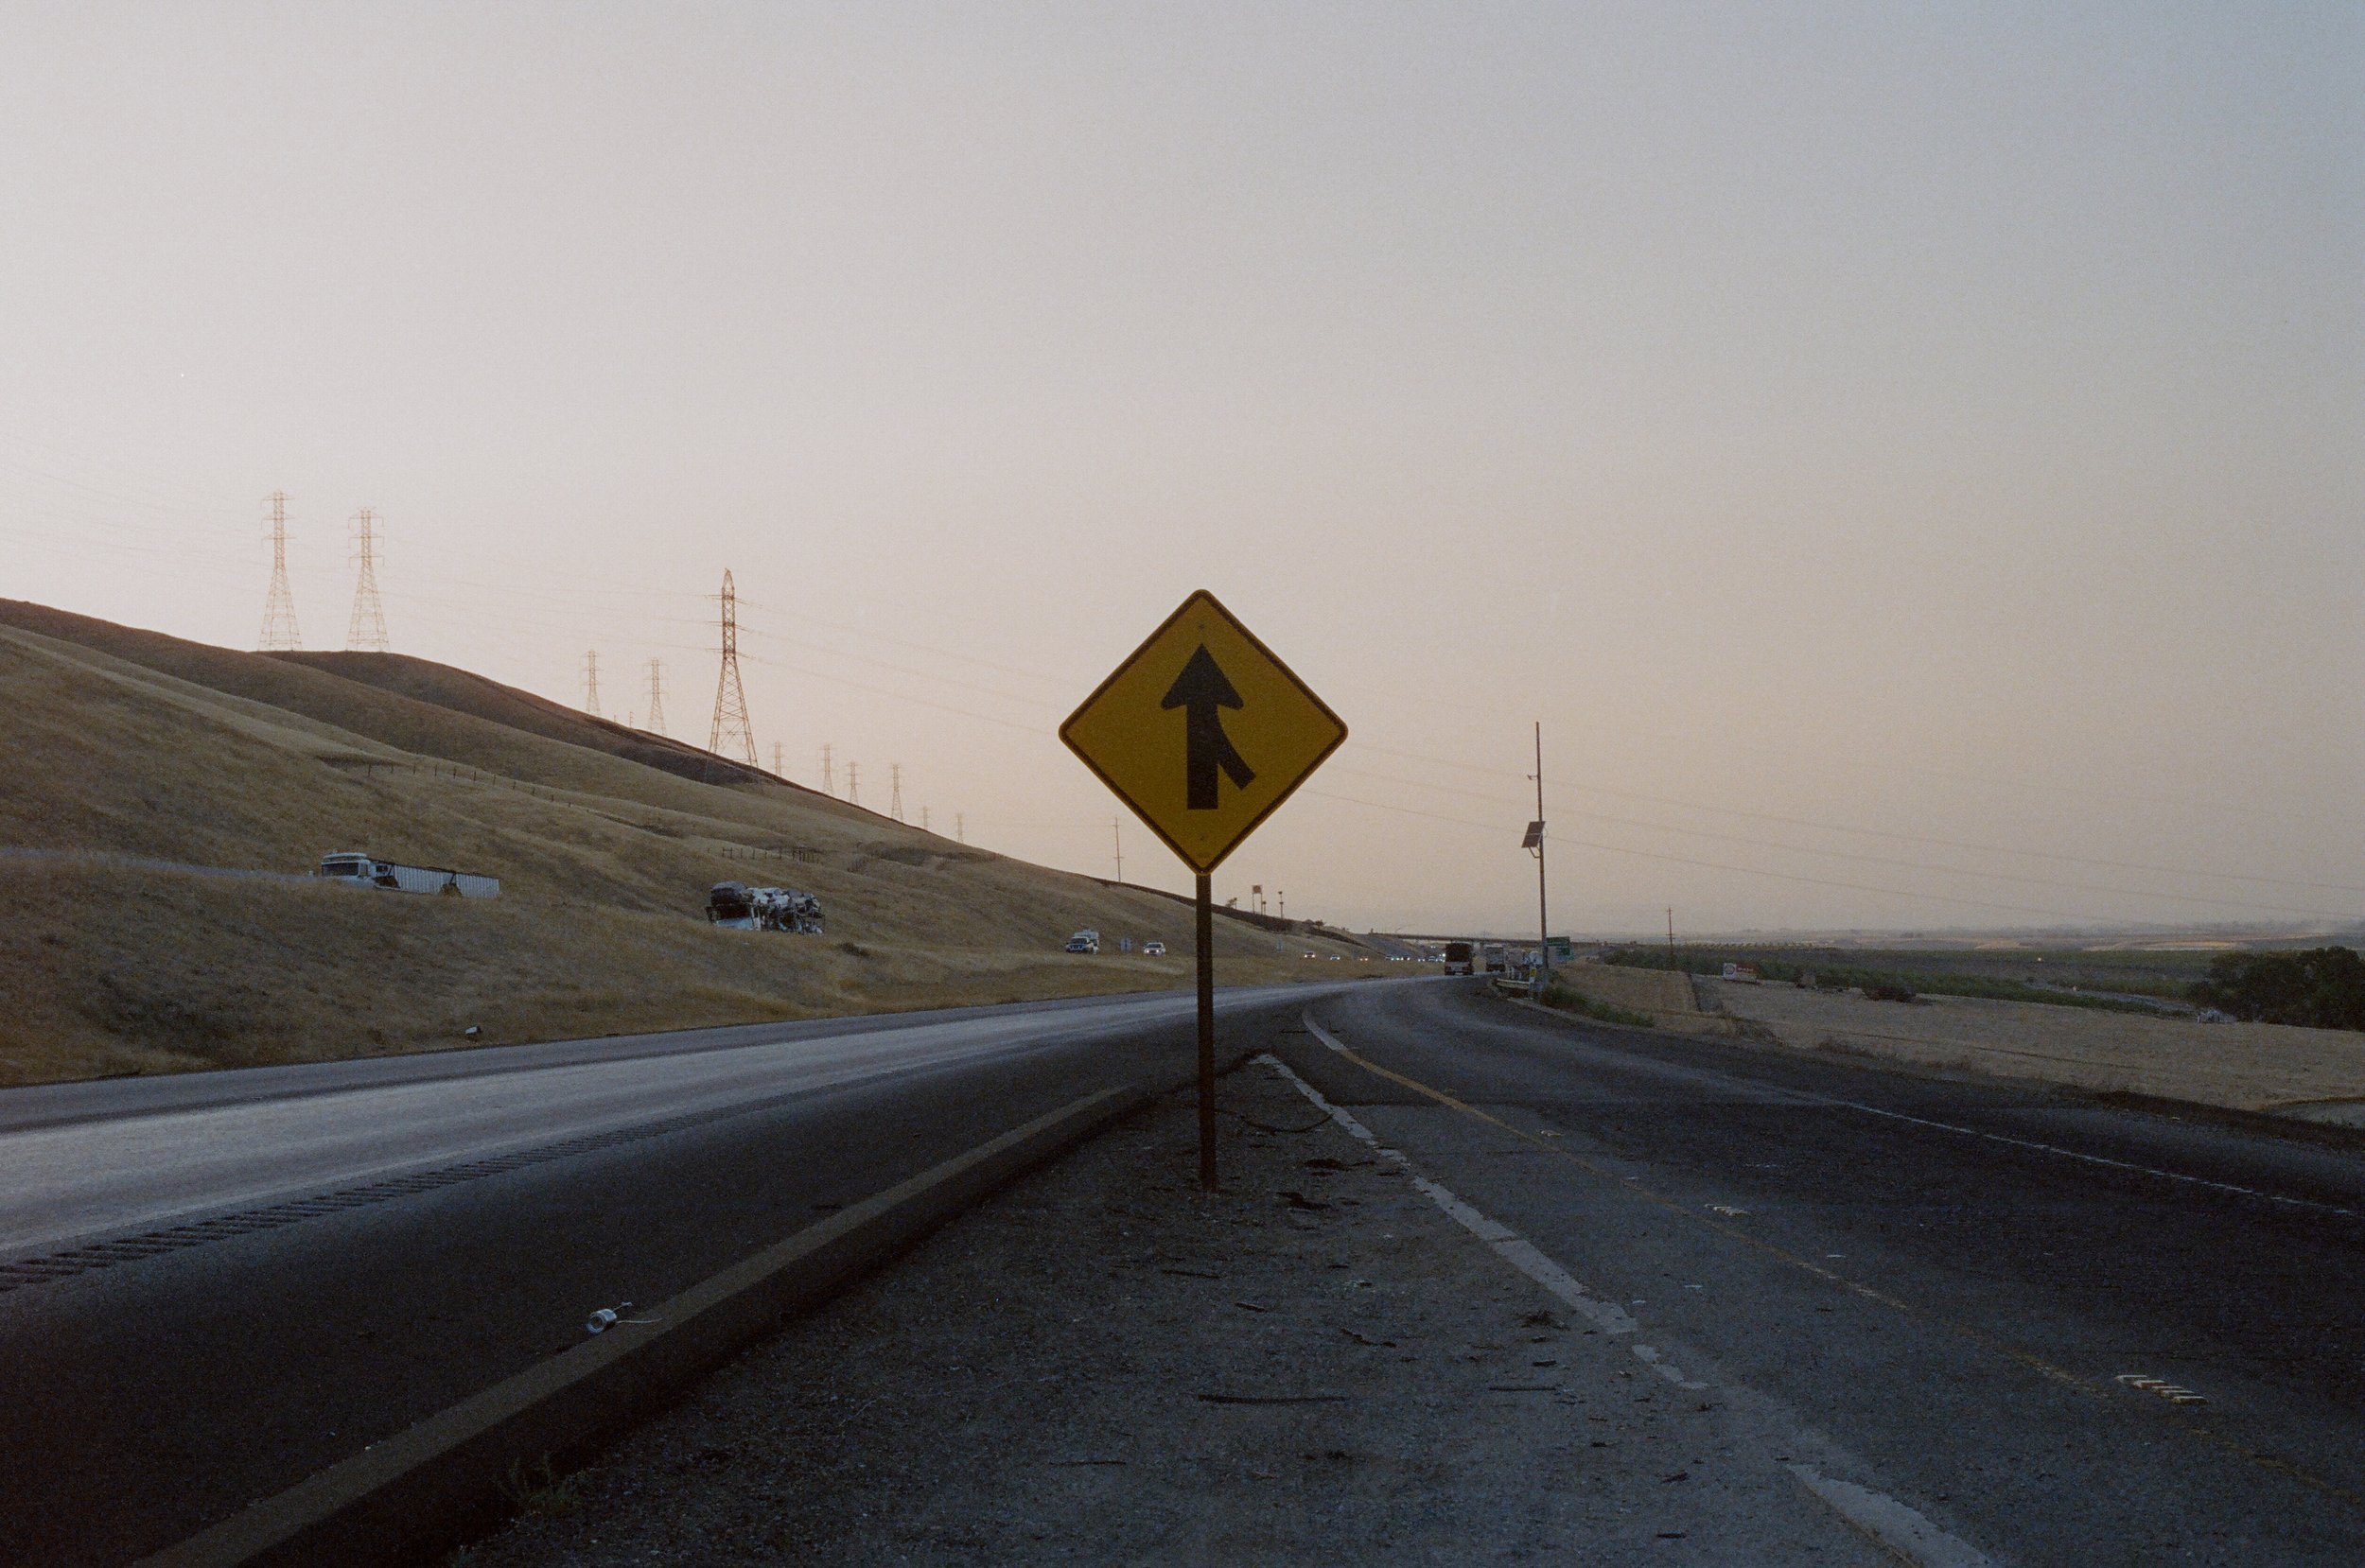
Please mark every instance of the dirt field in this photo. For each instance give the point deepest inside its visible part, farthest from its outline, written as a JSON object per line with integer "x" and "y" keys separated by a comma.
{"x": 2239, "y": 1066}
{"x": 1661, "y": 995}
{"x": 124, "y": 742}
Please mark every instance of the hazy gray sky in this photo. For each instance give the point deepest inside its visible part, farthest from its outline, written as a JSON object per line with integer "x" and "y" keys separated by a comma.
{"x": 1941, "y": 423}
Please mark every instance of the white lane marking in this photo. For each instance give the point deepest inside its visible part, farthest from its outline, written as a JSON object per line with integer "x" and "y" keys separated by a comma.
{"x": 1509, "y": 1245}
{"x": 1649, "y": 1356}
{"x": 1888, "y": 1522}
{"x": 2102, "y": 1159}
{"x": 1892, "y": 1524}
{"x": 1807, "y": 1097}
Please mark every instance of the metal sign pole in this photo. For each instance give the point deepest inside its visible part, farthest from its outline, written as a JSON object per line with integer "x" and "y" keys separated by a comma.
{"x": 1543, "y": 916}
{"x": 1203, "y": 705}
{"x": 1206, "y": 1034}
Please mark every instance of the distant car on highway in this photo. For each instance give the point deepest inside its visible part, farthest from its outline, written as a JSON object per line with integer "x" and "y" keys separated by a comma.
{"x": 1086, "y": 940}
{"x": 1153, "y": 948}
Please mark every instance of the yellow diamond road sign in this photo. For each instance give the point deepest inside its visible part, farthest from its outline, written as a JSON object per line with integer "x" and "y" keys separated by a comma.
{"x": 1203, "y": 732}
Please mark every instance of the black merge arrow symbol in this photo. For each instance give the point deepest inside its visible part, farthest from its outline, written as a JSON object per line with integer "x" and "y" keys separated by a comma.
{"x": 1203, "y": 692}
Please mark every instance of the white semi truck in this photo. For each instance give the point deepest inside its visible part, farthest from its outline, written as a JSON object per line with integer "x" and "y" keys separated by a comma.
{"x": 352, "y": 865}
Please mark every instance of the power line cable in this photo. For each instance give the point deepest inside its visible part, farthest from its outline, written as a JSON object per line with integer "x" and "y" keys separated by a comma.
{"x": 1861, "y": 832}
{"x": 2213, "y": 902}
{"x": 1714, "y": 866}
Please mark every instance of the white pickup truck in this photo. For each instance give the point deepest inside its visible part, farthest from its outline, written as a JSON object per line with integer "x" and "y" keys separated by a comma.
{"x": 364, "y": 870}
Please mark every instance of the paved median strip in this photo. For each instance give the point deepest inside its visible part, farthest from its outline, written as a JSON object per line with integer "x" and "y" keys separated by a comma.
{"x": 428, "y": 1486}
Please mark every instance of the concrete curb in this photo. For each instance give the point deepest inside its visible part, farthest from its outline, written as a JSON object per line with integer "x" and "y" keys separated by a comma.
{"x": 429, "y": 1488}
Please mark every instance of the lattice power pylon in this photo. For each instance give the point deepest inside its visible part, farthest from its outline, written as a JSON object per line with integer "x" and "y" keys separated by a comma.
{"x": 591, "y": 683}
{"x": 895, "y": 790}
{"x": 829, "y": 779}
{"x": 368, "y": 631}
{"x": 731, "y": 727}
{"x": 279, "y": 622}
{"x": 656, "y": 696}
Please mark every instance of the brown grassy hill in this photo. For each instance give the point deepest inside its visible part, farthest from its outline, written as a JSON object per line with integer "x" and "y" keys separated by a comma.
{"x": 465, "y": 691}
{"x": 119, "y": 742}
{"x": 391, "y": 704}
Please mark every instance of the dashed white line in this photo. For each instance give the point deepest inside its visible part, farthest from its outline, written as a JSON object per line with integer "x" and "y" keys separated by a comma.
{"x": 1649, "y": 1356}
{"x": 1896, "y": 1526}
{"x": 1892, "y": 1524}
{"x": 2100, "y": 1160}
{"x": 1509, "y": 1245}
{"x": 1809, "y": 1097}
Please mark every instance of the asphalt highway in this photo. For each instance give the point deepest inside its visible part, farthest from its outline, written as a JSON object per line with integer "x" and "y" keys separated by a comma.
{"x": 214, "y": 1285}
{"x": 2060, "y": 1331}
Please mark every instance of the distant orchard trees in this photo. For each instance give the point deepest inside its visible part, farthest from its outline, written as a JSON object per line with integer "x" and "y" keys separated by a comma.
{"x": 2318, "y": 988}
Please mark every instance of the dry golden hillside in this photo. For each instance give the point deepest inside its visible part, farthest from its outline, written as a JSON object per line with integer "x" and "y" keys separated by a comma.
{"x": 124, "y": 743}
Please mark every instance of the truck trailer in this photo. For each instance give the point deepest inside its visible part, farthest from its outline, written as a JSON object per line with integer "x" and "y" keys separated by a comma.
{"x": 364, "y": 870}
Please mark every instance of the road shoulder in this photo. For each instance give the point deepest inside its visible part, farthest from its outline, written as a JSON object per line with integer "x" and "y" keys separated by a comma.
{"x": 1103, "y": 1364}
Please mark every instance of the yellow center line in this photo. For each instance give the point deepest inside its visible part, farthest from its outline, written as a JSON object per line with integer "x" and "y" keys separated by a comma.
{"x": 2179, "y": 1419}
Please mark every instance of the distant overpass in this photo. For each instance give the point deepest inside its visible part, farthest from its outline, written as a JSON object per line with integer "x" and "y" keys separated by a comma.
{"x": 1424, "y": 940}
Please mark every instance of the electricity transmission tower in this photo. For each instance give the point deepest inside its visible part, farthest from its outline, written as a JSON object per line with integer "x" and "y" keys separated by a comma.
{"x": 656, "y": 696}
{"x": 829, "y": 779}
{"x": 1117, "y": 832}
{"x": 960, "y": 829}
{"x": 591, "y": 684}
{"x": 778, "y": 772}
{"x": 895, "y": 790}
{"x": 853, "y": 783}
{"x": 923, "y": 819}
{"x": 368, "y": 631}
{"x": 730, "y": 698}
{"x": 279, "y": 622}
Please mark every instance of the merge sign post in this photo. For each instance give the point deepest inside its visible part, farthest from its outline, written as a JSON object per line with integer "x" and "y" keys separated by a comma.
{"x": 1203, "y": 732}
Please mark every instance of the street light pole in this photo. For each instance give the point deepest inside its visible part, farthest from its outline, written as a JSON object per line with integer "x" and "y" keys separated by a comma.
{"x": 1543, "y": 918}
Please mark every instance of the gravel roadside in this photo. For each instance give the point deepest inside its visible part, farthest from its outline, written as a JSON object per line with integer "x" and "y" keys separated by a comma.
{"x": 1105, "y": 1365}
